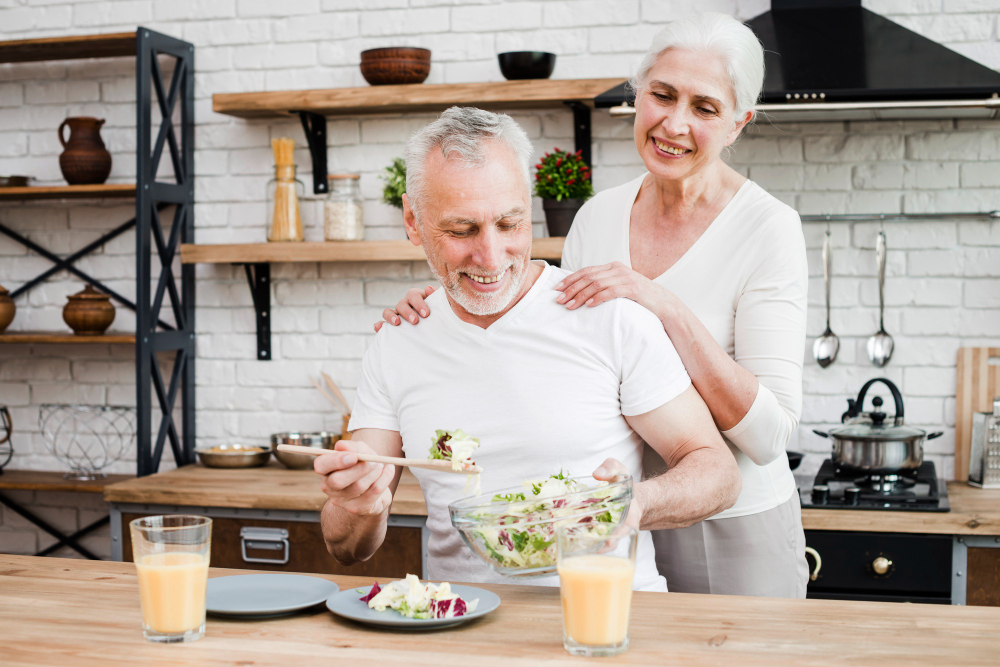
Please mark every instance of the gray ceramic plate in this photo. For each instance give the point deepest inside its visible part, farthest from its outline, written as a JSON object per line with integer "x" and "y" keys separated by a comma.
{"x": 349, "y": 605}
{"x": 265, "y": 594}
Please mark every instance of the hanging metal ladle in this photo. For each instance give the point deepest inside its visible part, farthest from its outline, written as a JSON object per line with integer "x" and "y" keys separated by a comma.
{"x": 880, "y": 344}
{"x": 825, "y": 347}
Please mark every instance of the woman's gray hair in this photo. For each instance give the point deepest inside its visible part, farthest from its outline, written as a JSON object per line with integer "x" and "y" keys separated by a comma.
{"x": 464, "y": 133}
{"x": 714, "y": 33}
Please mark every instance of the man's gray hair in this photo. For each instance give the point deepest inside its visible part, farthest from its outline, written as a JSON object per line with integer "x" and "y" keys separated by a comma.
{"x": 463, "y": 133}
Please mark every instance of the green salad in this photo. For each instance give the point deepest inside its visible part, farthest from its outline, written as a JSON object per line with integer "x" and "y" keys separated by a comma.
{"x": 523, "y": 534}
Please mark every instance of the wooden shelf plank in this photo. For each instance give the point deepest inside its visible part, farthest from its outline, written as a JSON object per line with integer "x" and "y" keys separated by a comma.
{"x": 45, "y": 480}
{"x": 533, "y": 93}
{"x": 331, "y": 251}
{"x": 71, "y": 47}
{"x": 105, "y": 190}
{"x": 64, "y": 337}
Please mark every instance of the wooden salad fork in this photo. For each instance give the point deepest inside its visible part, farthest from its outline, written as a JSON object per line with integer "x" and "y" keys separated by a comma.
{"x": 427, "y": 464}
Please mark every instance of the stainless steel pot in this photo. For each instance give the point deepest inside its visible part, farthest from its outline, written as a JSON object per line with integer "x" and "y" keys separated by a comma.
{"x": 868, "y": 444}
{"x": 319, "y": 440}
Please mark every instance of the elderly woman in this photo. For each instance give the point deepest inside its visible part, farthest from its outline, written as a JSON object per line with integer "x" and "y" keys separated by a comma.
{"x": 722, "y": 264}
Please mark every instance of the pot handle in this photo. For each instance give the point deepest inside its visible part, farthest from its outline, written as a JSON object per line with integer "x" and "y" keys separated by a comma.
{"x": 61, "y": 126}
{"x": 820, "y": 433}
{"x": 936, "y": 434}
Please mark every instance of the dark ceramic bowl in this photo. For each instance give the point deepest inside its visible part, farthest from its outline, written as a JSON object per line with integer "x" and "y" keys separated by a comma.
{"x": 794, "y": 459}
{"x": 395, "y": 65}
{"x": 526, "y": 64}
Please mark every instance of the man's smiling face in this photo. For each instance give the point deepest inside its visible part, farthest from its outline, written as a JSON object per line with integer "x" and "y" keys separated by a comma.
{"x": 475, "y": 226}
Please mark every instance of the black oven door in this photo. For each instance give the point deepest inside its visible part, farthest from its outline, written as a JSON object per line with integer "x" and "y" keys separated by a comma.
{"x": 882, "y": 567}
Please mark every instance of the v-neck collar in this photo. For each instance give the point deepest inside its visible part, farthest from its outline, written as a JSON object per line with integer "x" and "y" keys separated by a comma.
{"x": 507, "y": 318}
{"x": 711, "y": 229}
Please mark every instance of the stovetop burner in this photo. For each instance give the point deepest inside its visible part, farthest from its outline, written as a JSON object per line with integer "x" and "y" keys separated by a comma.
{"x": 914, "y": 490}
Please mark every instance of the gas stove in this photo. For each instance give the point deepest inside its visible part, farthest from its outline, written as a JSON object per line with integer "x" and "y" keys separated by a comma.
{"x": 907, "y": 490}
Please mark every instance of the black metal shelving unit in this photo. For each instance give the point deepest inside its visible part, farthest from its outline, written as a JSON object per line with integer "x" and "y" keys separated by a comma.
{"x": 153, "y": 198}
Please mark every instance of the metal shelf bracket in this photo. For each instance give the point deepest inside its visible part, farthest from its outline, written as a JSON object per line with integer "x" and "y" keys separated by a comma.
{"x": 259, "y": 278}
{"x": 314, "y": 125}
{"x": 581, "y": 130}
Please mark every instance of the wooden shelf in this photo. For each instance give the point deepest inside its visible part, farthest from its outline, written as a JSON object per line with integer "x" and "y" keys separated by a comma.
{"x": 45, "y": 480}
{"x": 331, "y": 251}
{"x": 104, "y": 191}
{"x": 528, "y": 94}
{"x": 68, "y": 48}
{"x": 62, "y": 337}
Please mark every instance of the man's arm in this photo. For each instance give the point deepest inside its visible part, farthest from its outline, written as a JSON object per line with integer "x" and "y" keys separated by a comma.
{"x": 702, "y": 477}
{"x": 356, "y": 513}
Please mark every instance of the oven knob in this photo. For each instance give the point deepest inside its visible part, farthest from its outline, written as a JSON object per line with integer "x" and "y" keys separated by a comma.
{"x": 820, "y": 494}
{"x": 852, "y": 495}
{"x": 881, "y": 565}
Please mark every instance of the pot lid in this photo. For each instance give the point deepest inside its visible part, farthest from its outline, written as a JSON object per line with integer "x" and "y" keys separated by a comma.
{"x": 881, "y": 432}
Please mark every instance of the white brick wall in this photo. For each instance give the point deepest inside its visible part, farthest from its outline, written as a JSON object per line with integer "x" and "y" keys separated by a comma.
{"x": 944, "y": 280}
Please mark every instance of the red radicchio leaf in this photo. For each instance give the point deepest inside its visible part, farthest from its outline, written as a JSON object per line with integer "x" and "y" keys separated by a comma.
{"x": 586, "y": 519}
{"x": 559, "y": 503}
{"x": 440, "y": 608}
{"x": 505, "y": 540}
{"x": 372, "y": 593}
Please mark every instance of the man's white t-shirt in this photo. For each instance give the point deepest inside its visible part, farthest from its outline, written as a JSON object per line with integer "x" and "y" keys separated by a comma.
{"x": 543, "y": 388}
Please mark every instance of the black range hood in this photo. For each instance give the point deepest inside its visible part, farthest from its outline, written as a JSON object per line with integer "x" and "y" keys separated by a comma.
{"x": 834, "y": 59}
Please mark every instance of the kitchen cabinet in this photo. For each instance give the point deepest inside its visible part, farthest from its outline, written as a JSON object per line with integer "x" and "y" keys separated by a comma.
{"x": 250, "y": 507}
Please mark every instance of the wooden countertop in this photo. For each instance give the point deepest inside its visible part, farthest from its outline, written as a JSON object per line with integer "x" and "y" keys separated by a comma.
{"x": 272, "y": 487}
{"x": 56, "y": 611}
{"x": 973, "y": 511}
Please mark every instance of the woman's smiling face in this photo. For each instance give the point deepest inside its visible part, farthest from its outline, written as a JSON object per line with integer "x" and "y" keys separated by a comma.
{"x": 685, "y": 113}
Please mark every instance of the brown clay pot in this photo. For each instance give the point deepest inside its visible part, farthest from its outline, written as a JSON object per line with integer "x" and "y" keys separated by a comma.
{"x": 85, "y": 160}
{"x": 7, "y": 309}
{"x": 89, "y": 313}
{"x": 395, "y": 65}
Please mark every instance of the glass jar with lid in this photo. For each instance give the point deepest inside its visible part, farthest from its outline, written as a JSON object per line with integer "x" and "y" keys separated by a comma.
{"x": 343, "y": 218}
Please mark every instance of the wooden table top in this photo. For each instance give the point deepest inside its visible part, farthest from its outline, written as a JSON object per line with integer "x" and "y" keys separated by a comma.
{"x": 44, "y": 480}
{"x": 270, "y": 487}
{"x": 86, "y": 613}
{"x": 973, "y": 511}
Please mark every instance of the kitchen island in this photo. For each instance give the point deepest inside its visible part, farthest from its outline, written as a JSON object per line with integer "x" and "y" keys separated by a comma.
{"x": 60, "y": 612}
{"x": 957, "y": 551}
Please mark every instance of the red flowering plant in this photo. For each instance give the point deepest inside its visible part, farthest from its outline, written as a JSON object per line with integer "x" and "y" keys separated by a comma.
{"x": 563, "y": 175}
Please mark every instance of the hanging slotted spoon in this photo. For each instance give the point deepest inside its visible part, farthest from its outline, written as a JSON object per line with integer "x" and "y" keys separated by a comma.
{"x": 880, "y": 344}
{"x": 825, "y": 347}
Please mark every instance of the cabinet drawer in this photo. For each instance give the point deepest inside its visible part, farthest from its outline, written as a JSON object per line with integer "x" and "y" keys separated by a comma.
{"x": 920, "y": 564}
{"x": 399, "y": 555}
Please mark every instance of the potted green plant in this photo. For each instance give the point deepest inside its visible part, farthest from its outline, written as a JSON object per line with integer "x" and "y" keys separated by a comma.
{"x": 394, "y": 177}
{"x": 563, "y": 182}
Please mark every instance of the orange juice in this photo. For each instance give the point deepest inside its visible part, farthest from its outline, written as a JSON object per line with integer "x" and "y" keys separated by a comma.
{"x": 596, "y": 596}
{"x": 172, "y": 590}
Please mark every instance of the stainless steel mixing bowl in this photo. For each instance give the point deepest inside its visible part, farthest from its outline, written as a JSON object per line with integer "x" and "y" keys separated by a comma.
{"x": 318, "y": 440}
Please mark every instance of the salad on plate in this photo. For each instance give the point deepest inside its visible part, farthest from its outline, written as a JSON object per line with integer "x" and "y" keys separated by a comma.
{"x": 415, "y": 599}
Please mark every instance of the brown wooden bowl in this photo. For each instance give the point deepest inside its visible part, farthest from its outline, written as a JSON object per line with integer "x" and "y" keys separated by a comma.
{"x": 395, "y": 65}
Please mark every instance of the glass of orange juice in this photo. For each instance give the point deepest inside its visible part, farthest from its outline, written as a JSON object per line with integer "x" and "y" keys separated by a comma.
{"x": 171, "y": 555}
{"x": 596, "y": 564}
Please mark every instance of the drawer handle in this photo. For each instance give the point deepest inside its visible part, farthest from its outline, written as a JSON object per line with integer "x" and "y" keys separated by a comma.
{"x": 814, "y": 575}
{"x": 268, "y": 539}
{"x": 881, "y": 565}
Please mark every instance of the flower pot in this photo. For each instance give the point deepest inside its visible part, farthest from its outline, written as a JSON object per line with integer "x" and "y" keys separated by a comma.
{"x": 7, "y": 309}
{"x": 85, "y": 160}
{"x": 89, "y": 313}
{"x": 559, "y": 215}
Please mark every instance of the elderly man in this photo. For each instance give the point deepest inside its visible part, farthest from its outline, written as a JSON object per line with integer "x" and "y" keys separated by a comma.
{"x": 543, "y": 388}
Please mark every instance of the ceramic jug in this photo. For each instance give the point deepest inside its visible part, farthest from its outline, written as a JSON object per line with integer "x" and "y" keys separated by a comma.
{"x": 7, "y": 309}
{"x": 85, "y": 160}
{"x": 88, "y": 313}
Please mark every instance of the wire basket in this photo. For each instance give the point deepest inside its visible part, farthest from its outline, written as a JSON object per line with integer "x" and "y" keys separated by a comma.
{"x": 87, "y": 438}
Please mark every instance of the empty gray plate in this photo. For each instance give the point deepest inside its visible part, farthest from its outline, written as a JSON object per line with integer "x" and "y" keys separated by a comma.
{"x": 349, "y": 605}
{"x": 265, "y": 594}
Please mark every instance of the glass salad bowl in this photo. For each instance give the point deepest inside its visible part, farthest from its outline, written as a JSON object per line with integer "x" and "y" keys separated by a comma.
{"x": 513, "y": 530}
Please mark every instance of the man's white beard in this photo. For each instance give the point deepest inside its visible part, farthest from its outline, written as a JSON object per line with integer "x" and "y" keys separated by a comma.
{"x": 480, "y": 303}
